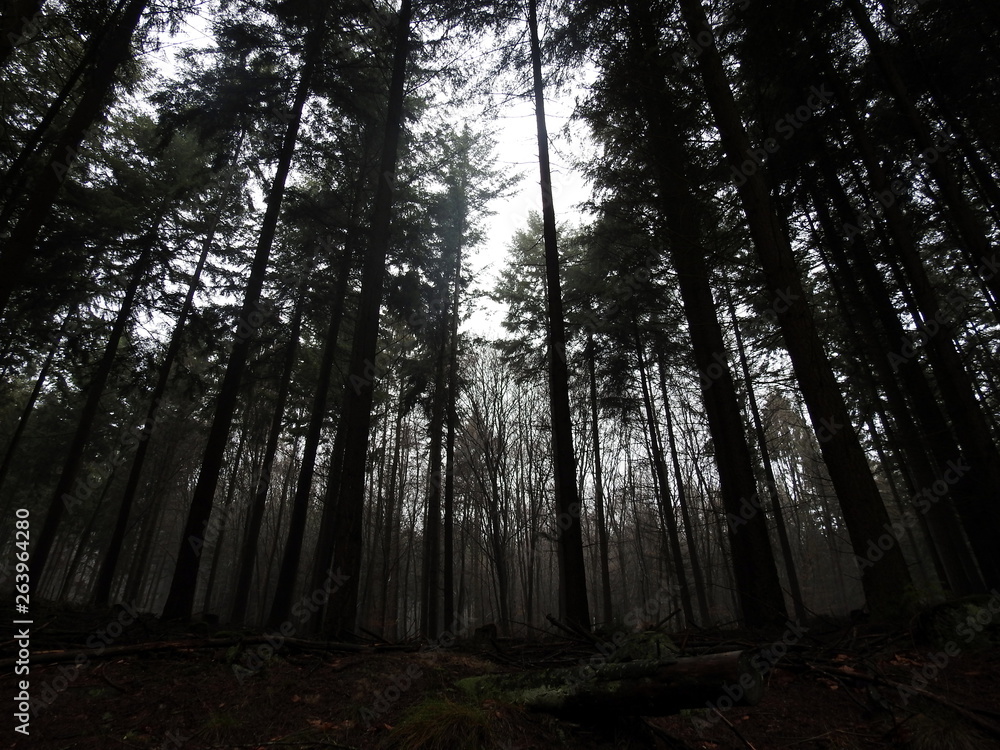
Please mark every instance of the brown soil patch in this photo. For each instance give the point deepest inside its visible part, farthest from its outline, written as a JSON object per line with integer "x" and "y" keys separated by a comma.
{"x": 822, "y": 695}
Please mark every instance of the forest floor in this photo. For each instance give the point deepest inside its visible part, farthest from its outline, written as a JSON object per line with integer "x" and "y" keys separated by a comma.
{"x": 125, "y": 682}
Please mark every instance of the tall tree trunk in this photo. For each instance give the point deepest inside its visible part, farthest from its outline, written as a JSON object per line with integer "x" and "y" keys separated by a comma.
{"x": 981, "y": 477}
{"x": 759, "y": 589}
{"x": 139, "y": 564}
{"x": 220, "y": 537}
{"x": 660, "y": 467}
{"x": 321, "y": 571}
{"x": 573, "y": 605}
{"x": 457, "y": 235}
{"x": 928, "y": 449}
{"x": 885, "y": 580}
{"x": 251, "y": 538}
{"x": 968, "y": 224}
{"x": 599, "y": 519}
{"x": 761, "y": 599}
{"x": 375, "y": 523}
{"x": 682, "y": 502}
{"x": 493, "y": 461}
{"x": 180, "y": 600}
{"x": 498, "y": 547}
{"x": 391, "y": 553}
{"x": 765, "y": 459}
{"x": 21, "y": 245}
{"x": 43, "y": 374}
{"x": 109, "y": 563}
{"x": 387, "y": 569}
{"x": 432, "y": 527}
{"x": 84, "y": 540}
{"x": 282, "y": 604}
{"x": 64, "y": 496}
{"x": 451, "y": 420}
{"x": 359, "y": 385}
{"x": 264, "y": 581}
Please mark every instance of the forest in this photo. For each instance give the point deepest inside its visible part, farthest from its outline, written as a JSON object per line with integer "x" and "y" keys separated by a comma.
{"x": 750, "y": 381}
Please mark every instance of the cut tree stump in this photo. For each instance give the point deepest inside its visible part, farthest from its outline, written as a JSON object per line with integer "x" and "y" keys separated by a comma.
{"x": 639, "y": 688}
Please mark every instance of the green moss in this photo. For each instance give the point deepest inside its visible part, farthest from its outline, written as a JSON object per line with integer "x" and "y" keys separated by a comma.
{"x": 929, "y": 732}
{"x": 649, "y": 646}
{"x": 229, "y": 634}
{"x": 970, "y": 623}
{"x": 233, "y": 652}
{"x": 217, "y": 720}
{"x": 440, "y": 724}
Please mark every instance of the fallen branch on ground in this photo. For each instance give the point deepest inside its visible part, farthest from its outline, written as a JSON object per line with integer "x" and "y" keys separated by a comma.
{"x": 69, "y": 655}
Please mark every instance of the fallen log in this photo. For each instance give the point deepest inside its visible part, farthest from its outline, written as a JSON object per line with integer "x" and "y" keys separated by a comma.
{"x": 658, "y": 687}
{"x": 82, "y": 655}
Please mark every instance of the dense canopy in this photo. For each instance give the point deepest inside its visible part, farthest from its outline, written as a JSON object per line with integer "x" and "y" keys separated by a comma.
{"x": 752, "y": 379}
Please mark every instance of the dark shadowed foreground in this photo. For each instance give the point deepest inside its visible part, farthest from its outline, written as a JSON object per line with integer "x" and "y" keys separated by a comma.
{"x": 828, "y": 685}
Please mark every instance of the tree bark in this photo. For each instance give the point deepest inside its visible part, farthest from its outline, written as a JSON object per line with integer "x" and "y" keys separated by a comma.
{"x": 970, "y": 229}
{"x": 64, "y": 496}
{"x": 668, "y": 518}
{"x": 451, "y": 419}
{"x": 432, "y": 527}
{"x": 682, "y": 502}
{"x": 599, "y": 519}
{"x": 180, "y": 600}
{"x": 109, "y": 563}
{"x": 573, "y": 605}
{"x": 33, "y": 397}
{"x": 258, "y": 505}
{"x": 359, "y": 384}
{"x": 761, "y": 599}
{"x": 981, "y": 478}
{"x": 635, "y": 688}
{"x": 884, "y": 581}
{"x": 765, "y": 459}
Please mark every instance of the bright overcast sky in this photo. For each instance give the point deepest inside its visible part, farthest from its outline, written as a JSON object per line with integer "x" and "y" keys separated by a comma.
{"x": 518, "y": 148}
{"x": 517, "y": 151}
